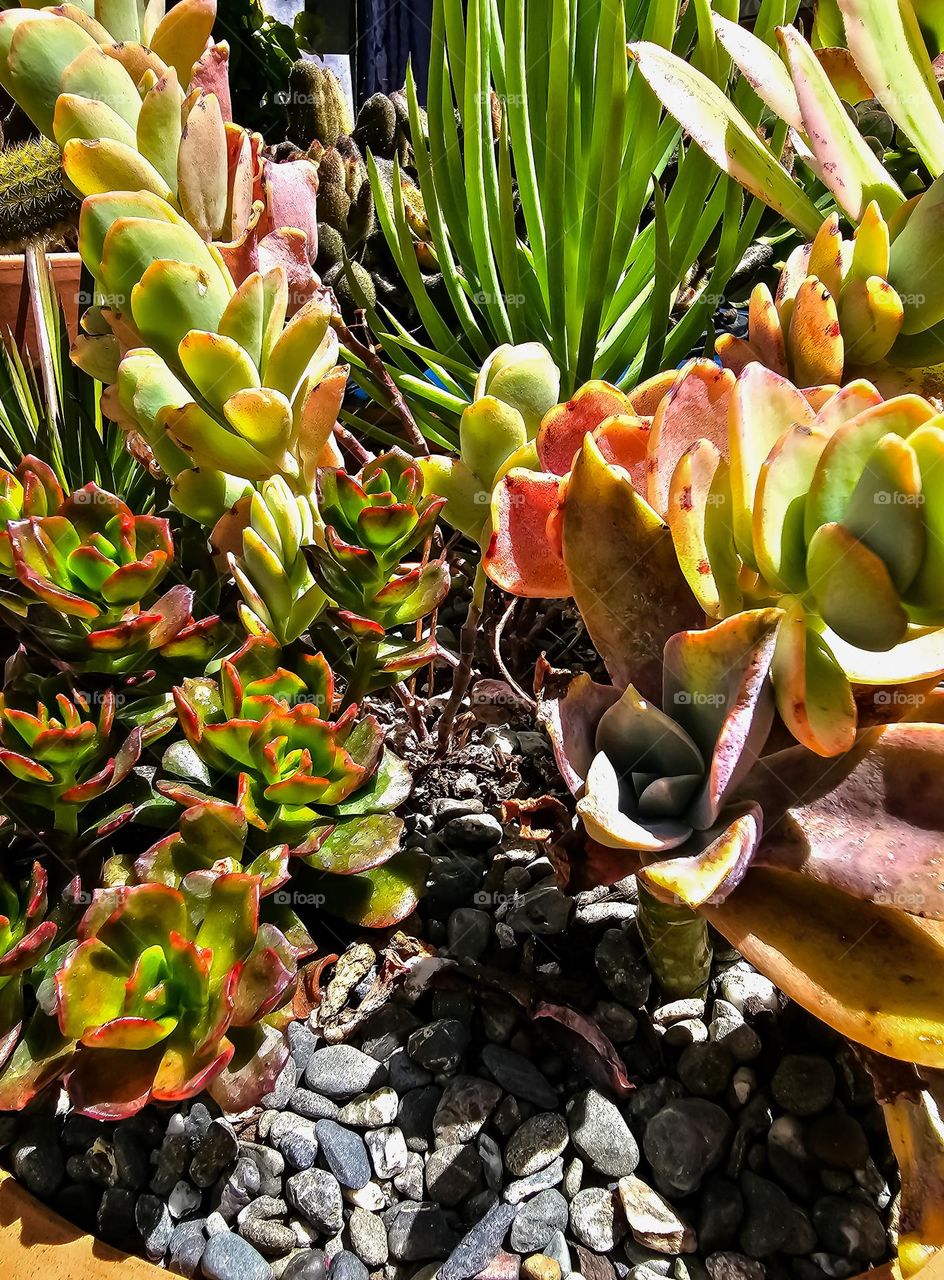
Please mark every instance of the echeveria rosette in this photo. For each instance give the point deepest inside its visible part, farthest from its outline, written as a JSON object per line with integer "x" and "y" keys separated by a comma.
{"x": 25, "y": 937}
{"x": 162, "y": 992}
{"x": 58, "y": 760}
{"x": 94, "y": 557}
{"x": 89, "y": 575}
{"x": 657, "y": 783}
{"x": 372, "y": 523}
{"x": 324, "y": 786}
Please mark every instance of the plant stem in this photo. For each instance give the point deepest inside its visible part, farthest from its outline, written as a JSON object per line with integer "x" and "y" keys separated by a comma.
{"x": 463, "y": 672}
{"x": 676, "y": 942}
{"x": 361, "y": 675}
{"x": 366, "y": 352}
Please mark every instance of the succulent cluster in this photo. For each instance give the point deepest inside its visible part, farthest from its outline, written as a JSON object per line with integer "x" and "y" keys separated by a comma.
{"x": 877, "y": 303}
{"x": 754, "y": 545}
{"x": 138, "y": 100}
{"x": 353, "y": 259}
{"x": 183, "y": 773}
{"x": 373, "y": 523}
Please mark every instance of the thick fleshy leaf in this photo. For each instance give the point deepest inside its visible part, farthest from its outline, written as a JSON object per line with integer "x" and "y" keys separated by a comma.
{"x": 847, "y": 453}
{"x": 565, "y": 426}
{"x": 889, "y": 49}
{"x": 870, "y": 822}
{"x": 112, "y": 1084}
{"x": 763, "y": 408}
{"x": 847, "y": 164}
{"x": 489, "y": 431}
{"x": 916, "y": 1131}
{"x": 782, "y": 485}
{"x": 259, "y": 1056}
{"x": 571, "y": 722}
{"x": 520, "y": 557}
{"x": 919, "y": 241}
{"x": 815, "y": 337}
{"x": 381, "y": 897}
{"x": 762, "y": 69}
{"x": 871, "y": 972}
{"x": 702, "y": 109}
{"x": 638, "y": 738}
{"x": 853, "y": 589}
{"x": 357, "y": 843}
{"x": 813, "y": 693}
{"x": 700, "y": 518}
{"x": 623, "y": 571}
{"x": 716, "y": 687}
{"x": 696, "y": 408}
{"x": 605, "y": 820}
{"x": 709, "y": 874}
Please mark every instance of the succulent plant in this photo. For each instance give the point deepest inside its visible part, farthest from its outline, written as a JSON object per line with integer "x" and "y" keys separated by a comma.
{"x": 142, "y": 104}
{"x": 210, "y": 841}
{"x": 212, "y": 380}
{"x": 835, "y": 313}
{"x": 887, "y": 54}
{"x": 372, "y": 522}
{"x": 94, "y": 557}
{"x": 317, "y": 109}
{"x": 31, "y": 490}
{"x": 59, "y": 759}
{"x": 25, "y": 937}
{"x": 280, "y": 596}
{"x": 36, "y": 206}
{"x": 656, "y": 784}
{"x": 163, "y": 994}
{"x": 515, "y": 388}
{"x": 325, "y": 786}
{"x": 89, "y": 573}
{"x": 821, "y": 503}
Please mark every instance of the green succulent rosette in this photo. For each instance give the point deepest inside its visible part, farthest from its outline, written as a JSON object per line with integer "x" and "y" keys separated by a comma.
{"x": 325, "y": 786}
{"x": 164, "y": 994}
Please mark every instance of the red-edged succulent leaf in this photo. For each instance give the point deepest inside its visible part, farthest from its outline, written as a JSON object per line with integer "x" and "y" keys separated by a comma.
{"x": 357, "y": 844}
{"x": 381, "y": 897}
{"x": 521, "y": 557}
{"x": 696, "y": 408}
{"x": 564, "y": 427}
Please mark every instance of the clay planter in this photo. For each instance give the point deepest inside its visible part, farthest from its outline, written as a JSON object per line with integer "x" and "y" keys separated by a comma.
{"x": 35, "y": 1242}
{"x": 14, "y": 302}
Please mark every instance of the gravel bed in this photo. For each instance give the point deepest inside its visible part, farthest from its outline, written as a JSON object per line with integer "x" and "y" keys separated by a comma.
{"x": 460, "y": 1134}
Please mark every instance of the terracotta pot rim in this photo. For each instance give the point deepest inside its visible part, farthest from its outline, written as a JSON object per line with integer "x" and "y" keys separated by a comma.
{"x": 34, "y": 1240}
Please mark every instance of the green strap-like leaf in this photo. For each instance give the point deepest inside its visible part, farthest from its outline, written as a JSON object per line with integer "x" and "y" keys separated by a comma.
{"x": 723, "y": 134}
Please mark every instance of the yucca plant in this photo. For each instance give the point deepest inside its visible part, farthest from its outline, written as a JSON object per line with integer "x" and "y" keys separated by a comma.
{"x": 541, "y": 169}
{"x": 51, "y": 409}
